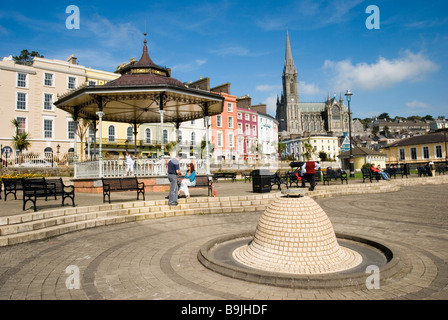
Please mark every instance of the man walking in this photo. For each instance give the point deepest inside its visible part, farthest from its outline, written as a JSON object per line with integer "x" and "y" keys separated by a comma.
{"x": 309, "y": 173}
{"x": 173, "y": 172}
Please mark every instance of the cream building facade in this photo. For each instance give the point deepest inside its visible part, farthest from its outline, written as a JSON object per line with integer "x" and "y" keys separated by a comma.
{"x": 27, "y": 94}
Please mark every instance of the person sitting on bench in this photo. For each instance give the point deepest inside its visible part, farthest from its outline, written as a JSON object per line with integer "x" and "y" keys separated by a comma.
{"x": 190, "y": 180}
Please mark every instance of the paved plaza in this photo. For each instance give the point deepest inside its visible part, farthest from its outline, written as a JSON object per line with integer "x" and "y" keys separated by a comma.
{"x": 157, "y": 259}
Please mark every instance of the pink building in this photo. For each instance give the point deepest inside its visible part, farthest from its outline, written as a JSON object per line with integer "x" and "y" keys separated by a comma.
{"x": 247, "y": 124}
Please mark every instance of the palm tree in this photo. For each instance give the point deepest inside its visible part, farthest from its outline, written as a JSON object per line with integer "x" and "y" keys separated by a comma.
{"x": 20, "y": 139}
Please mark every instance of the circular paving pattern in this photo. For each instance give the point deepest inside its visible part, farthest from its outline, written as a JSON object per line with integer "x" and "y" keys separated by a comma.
{"x": 157, "y": 259}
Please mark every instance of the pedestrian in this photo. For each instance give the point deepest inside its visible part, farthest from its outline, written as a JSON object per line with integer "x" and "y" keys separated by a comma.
{"x": 129, "y": 164}
{"x": 188, "y": 181}
{"x": 309, "y": 173}
{"x": 173, "y": 172}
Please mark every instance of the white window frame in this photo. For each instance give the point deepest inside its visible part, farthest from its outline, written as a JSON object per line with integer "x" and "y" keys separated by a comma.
{"x": 423, "y": 153}
{"x": 254, "y": 118}
{"x": 219, "y": 139}
{"x": 26, "y": 101}
{"x": 53, "y": 79}
{"x": 69, "y": 121}
{"x": 74, "y": 84}
{"x": 219, "y": 121}
{"x": 229, "y": 107}
{"x": 114, "y": 135}
{"x": 44, "y": 120}
{"x": 129, "y": 137}
{"x": 246, "y": 117}
{"x": 231, "y": 140}
{"x": 239, "y": 116}
{"x": 25, "y": 129}
{"x": 148, "y": 130}
{"x": 240, "y": 128}
{"x": 26, "y": 80}
{"x": 230, "y": 122}
{"x": 401, "y": 151}
{"x": 51, "y": 103}
{"x": 416, "y": 153}
{"x": 435, "y": 151}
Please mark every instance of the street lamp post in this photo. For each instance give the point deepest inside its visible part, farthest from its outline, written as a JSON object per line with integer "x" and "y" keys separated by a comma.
{"x": 348, "y": 94}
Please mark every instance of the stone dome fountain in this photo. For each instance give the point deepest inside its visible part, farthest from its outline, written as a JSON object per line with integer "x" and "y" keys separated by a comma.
{"x": 295, "y": 235}
{"x": 295, "y": 245}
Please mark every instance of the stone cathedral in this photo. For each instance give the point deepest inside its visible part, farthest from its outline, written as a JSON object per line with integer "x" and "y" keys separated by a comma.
{"x": 307, "y": 118}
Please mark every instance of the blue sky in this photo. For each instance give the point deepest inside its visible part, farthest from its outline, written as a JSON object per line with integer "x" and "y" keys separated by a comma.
{"x": 400, "y": 68}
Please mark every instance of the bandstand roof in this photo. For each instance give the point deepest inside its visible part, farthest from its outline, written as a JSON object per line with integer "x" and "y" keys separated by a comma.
{"x": 138, "y": 94}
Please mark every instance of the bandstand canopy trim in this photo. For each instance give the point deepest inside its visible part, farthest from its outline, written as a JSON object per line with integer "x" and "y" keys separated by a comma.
{"x": 138, "y": 96}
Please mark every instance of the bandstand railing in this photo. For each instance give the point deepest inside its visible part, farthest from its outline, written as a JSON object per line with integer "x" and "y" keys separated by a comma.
{"x": 142, "y": 168}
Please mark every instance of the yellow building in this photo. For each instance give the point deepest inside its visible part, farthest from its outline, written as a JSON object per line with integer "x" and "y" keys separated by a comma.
{"x": 418, "y": 150}
{"x": 361, "y": 156}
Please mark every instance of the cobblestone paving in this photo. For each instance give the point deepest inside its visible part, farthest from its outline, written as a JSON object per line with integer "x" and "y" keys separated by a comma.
{"x": 157, "y": 259}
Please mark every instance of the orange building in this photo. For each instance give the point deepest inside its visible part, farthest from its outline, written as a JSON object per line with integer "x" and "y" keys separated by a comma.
{"x": 224, "y": 127}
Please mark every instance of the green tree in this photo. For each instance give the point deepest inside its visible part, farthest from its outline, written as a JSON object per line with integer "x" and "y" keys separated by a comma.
{"x": 20, "y": 139}
{"x": 309, "y": 150}
{"x": 26, "y": 57}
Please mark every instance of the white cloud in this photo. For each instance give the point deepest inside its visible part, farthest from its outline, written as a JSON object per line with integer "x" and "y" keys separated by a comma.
{"x": 189, "y": 66}
{"x": 306, "y": 88}
{"x": 268, "y": 88}
{"x": 383, "y": 73}
{"x": 417, "y": 105}
{"x": 271, "y": 105}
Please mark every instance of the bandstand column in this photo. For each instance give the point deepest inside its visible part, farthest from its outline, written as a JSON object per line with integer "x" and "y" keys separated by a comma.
{"x": 207, "y": 137}
{"x": 162, "y": 143}
{"x": 100, "y": 115}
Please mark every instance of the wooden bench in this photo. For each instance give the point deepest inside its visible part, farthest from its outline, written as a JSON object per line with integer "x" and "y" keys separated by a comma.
{"x": 224, "y": 175}
{"x": 122, "y": 184}
{"x": 247, "y": 175}
{"x": 331, "y": 174}
{"x": 61, "y": 189}
{"x": 11, "y": 186}
{"x": 278, "y": 179}
{"x": 37, "y": 188}
{"x": 368, "y": 174}
{"x": 202, "y": 181}
{"x": 440, "y": 170}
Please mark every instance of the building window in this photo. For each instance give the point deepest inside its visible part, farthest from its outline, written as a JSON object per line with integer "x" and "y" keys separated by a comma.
{"x": 401, "y": 155}
{"x": 240, "y": 128}
{"x": 439, "y": 152}
{"x": 229, "y": 107}
{"x": 129, "y": 135}
{"x": 71, "y": 127}
{"x": 193, "y": 138}
{"x": 230, "y": 120}
{"x": 254, "y": 118}
{"x": 91, "y": 83}
{"x": 413, "y": 153}
{"x": 111, "y": 133}
{"x": 239, "y": 116}
{"x": 48, "y": 129}
{"x": 148, "y": 135}
{"x": 71, "y": 83}
{"x": 246, "y": 117}
{"x": 21, "y": 128}
{"x": 21, "y": 80}
{"x": 218, "y": 121}
{"x": 48, "y": 101}
{"x": 254, "y": 130}
{"x": 220, "y": 142}
{"x": 165, "y": 136}
{"x": 179, "y": 137}
{"x": 247, "y": 132}
{"x": 231, "y": 139}
{"x": 48, "y": 79}
{"x": 425, "y": 152}
{"x": 21, "y": 101}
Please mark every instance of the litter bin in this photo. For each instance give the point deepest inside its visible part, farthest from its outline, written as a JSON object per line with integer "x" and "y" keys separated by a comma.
{"x": 261, "y": 180}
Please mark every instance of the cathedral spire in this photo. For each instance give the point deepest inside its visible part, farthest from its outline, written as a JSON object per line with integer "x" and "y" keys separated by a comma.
{"x": 289, "y": 61}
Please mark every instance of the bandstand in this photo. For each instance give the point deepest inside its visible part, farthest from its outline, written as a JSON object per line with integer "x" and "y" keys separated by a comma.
{"x": 144, "y": 93}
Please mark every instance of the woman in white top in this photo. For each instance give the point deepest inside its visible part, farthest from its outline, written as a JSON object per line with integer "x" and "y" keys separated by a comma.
{"x": 129, "y": 164}
{"x": 189, "y": 181}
